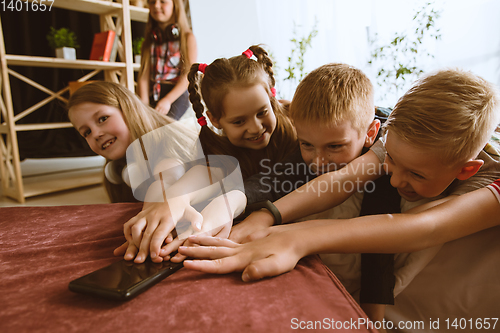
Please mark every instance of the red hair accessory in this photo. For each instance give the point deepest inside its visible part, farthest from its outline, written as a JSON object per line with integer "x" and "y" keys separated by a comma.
{"x": 273, "y": 91}
{"x": 202, "y": 67}
{"x": 202, "y": 121}
{"x": 248, "y": 53}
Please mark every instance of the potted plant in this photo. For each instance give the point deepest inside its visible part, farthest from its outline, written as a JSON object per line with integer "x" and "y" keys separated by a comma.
{"x": 136, "y": 49}
{"x": 295, "y": 70}
{"x": 64, "y": 42}
{"x": 400, "y": 61}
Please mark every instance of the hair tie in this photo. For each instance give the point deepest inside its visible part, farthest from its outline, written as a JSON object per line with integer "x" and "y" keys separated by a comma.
{"x": 202, "y": 121}
{"x": 273, "y": 91}
{"x": 202, "y": 67}
{"x": 248, "y": 53}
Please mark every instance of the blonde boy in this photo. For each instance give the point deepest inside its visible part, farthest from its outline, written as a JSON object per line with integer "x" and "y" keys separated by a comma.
{"x": 334, "y": 116}
{"x": 432, "y": 148}
{"x": 434, "y": 140}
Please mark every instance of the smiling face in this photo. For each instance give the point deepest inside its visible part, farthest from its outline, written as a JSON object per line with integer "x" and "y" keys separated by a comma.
{"x": 417, "y": 173}
{"x": 162, "y": 12}
{"x": 103, "y": 127}
{"x": 248, "y": 119}
{"x": 328, "y": 148}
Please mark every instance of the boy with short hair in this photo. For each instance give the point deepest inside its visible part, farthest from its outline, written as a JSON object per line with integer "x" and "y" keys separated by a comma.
{"x": 447, "y": 130}
{"x": 432, "y": 149}
{"x": 334, "y": 116}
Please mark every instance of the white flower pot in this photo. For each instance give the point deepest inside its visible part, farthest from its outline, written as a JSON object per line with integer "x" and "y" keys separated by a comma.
{"x": 66, "y": 53}
{"x": 137, "y": 58}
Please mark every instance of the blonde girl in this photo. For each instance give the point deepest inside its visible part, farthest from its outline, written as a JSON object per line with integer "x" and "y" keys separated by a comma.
{"x": 168, "y": 50}
{"x": 110, "y": 117}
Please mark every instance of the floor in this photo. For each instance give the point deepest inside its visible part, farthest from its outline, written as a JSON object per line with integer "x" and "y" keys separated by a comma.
{"x": 34, "y": 170}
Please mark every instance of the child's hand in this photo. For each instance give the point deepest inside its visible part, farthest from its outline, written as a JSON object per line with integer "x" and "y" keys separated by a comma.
{"x": 269, "y": 256}
{"x": 127, "y": 250}
{"x": 163, "y": 106}
{"x": 221, "y": 232}
{"x": 258, "y": 220}
{"x": 153, "y": 226}
{"x": 217, "y": 221}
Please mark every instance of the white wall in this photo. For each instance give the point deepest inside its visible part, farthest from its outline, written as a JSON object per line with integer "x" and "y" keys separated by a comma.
{"x": 223, "y": 28}
{"x": 470, "y": 31}
{"x": 471, "y": 37}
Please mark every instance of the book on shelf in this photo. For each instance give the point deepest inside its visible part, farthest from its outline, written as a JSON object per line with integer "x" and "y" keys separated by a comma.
{"x": 102, "y": 45}
{"x": 114, "y": 50}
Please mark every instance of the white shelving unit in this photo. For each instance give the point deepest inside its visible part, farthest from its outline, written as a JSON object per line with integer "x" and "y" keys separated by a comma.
{"x": 121, "y": 72}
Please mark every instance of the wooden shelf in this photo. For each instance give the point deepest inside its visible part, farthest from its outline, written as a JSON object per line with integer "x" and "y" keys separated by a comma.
{"x": 35, "y": 61}
{"x": 113, "y": 16}
{"x": 35, "y": 127}
{"x": 101, "y": 7}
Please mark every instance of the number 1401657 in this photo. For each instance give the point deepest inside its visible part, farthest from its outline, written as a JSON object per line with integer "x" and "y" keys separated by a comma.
{"x": 25, "y": 5}
{"x": 471, "y": 324}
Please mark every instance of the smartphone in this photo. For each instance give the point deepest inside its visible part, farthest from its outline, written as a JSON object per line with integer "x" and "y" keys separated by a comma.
{"x": 124, "y": 279}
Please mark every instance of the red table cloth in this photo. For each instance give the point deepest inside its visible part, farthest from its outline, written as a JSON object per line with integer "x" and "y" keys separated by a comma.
{"x": 43, "y": 248}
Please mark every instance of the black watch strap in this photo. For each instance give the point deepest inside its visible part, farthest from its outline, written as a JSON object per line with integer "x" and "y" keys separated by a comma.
{"x": 266, "y": 205}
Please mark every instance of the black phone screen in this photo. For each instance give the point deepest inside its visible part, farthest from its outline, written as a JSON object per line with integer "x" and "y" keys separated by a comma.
{"x": 123, "y": 280}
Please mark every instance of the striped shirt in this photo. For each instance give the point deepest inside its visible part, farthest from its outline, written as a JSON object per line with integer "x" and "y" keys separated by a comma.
{"x": 165, "y": 64}
{"x": 495, "y": 188}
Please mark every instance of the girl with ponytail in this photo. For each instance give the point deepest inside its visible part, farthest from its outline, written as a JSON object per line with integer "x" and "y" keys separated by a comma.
{"x": 248, "y": 121}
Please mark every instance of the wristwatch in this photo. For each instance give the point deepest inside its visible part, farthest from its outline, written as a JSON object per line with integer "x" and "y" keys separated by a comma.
{"x": 266, "y": 205}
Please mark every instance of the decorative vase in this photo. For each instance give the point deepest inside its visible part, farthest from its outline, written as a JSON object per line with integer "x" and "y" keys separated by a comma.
{"x": 68, "y": 53}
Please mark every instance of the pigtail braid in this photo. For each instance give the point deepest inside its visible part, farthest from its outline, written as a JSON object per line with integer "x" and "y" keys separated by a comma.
{"x": 264, "y": 59}
{"x": 194, "y": 91}
{"x": 210, "y": 141}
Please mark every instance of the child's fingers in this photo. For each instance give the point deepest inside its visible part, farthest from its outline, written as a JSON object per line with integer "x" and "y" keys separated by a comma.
{"x": 210, "y": 228}
{"x": 186, "y": 234}
{"x": 141, "y": 256}
{"x": 136, "y": 230}
{"x": 143, "y": 250}
{"x": 178, "y": 258}
{"x": 131, "y": 252}
{"x": 206, "y": 252}
{"x": 224, "y": 231}
{"x": 241, "y": 231}
{"x": 158, "y": 259}
{"x": 212, "y": 241}
{"x": 120, "y": 251}
{"x": 129, "y": 224}
{"x": 221, "y": 266}
{"x": 152, "y": 225}
{"x": 258, "y": 234}
{"x": 159, "y": 236}
{"x": 171, "y": 247}
{"x": 194, "y": 217}
{"x": 263, "y": 268}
